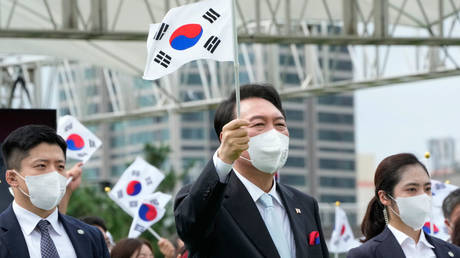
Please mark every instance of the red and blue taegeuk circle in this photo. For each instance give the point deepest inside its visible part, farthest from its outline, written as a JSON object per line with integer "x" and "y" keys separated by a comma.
{"x": 133, "y": 188}
{"x": 427, "y": 228}
{"x": 75, "y": 142}
{"x": 186, "y": 36}
{"x": 147, "y": 212}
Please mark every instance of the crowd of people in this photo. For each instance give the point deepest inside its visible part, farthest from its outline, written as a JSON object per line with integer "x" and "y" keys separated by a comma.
{"x": 234, "y": 209}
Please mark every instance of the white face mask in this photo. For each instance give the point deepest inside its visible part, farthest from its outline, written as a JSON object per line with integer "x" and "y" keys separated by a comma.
{"x": 268, "y": 151}
{"x": 45, "y": 191}
{"x": 414, "y": 211}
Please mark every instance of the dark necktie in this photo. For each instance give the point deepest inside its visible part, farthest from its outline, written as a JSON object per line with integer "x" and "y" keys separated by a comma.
{"x": 47, "y": 247}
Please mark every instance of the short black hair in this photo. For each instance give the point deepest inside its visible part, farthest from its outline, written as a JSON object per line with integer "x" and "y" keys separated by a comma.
{"x": 226, "y": 110}
{"x": 450, "y": 203}
{"x": 16, "y": 146}
{"x": 94, "y": 221}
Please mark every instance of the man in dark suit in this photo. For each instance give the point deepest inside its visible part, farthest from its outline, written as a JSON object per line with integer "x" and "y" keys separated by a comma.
{"x": 235, "y": 208}
{"x": 32, "y": 226}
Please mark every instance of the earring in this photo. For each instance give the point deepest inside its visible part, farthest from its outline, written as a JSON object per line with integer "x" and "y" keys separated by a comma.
{"x": 385, "y": 215}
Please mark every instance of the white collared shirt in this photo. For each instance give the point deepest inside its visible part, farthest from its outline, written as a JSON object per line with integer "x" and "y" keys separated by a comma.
{"x": 255, "y": 192}
{"x": 411, "y": 249}
{"x": 28, "y": 222}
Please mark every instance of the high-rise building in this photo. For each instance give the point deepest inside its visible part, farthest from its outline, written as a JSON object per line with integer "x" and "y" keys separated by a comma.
{"x": 322, "y": 142}
{"x": 442, "y": 160}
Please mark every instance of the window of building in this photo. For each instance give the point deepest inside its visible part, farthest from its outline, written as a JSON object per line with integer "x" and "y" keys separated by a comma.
{"x": 336, "y": 100}
{"x": 92, "y": 90}
{"x": 139, "y": 83}
{"x": 192, "y": 133}
{"x": 90, "y": 73}
{"x": 117, "y": 126}
{"x": 193, "y": 148}
{"x": 297, "y": 162}
{"x": 337, "y": 150}
{"x": 293, "y": 179}
{"x": 290, "y": 78}
{"x": 296, "y": 133}
{"x": 325, "y": 181}
{"x": 93, "y": 108}
{"x": 117, "y": 170}
{"x": 193, "y": 79}
{"x": 333, "y": 198}
{"x": 294, "y": 115}
{"x": 91, "y": 173}
{"x": 146, "y": 101}
{"x": 164, "y": 135}
{"x": 339, "y": 136}
{"x": 117, "y": 141}
{"x": 337, "y": 164}
{"x": 140, "y": 122}
{"x": 192, "y": 117}
{"x": 335, "y": 118}
{"x": 141, "y": 138}
{"x": 64, "y": 111}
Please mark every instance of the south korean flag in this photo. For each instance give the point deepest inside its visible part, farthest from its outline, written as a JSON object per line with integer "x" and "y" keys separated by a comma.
{"x": 81, "y": 142}
{"x": 139, "y": 180}
{"x": 200, "y": 30}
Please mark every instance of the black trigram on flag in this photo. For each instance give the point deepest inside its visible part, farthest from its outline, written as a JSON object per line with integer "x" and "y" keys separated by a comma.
{"x": 211, "y": 15}
{"x": 212, "y": 44}
{"x": 161, "y": 32}
{"x": 163, "y": 59}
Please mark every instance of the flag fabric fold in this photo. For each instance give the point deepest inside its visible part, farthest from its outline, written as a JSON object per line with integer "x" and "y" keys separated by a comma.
{"x": 150, "y": 210}
{"x": 342, "y": 239}
{"x": 201, "y": 30}
{"x": 138, "y": 181}
{"x": 81, "y": 142}
{"x": 436, "y": 227}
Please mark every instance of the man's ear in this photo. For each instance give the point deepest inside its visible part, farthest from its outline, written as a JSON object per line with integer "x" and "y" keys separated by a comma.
{"x": 12, "y": 178}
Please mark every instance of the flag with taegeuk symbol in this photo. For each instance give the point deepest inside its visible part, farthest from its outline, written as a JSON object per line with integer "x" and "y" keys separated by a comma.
{"x": 436, "y": 227}
{"x": 81, "y": 142}
{"x": 201, "y": 30}
{"x": 137, "y": 182}
{"x": 342, "y": 239}
{"x": 151, "y": 209}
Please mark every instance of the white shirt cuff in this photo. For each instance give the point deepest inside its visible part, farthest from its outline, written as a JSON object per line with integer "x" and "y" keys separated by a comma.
{"x": 222, "y": 168}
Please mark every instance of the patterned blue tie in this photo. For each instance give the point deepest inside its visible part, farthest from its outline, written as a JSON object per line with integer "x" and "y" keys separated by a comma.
{"x": 47, "y": 247}
{"x": 273, "y": 224}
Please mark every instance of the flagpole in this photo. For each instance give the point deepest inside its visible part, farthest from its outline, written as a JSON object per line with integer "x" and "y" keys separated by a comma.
{"x": 236, "y": 63}
{"x": 155, "y": 234}
{"x": 427, "y": 157}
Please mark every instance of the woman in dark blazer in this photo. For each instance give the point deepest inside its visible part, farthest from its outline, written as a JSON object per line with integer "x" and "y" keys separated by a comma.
{"x": 395, "y": 215}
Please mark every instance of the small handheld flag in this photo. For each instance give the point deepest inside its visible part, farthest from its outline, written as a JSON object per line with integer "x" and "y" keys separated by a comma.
{"x": 342, "y": 239}
{"x": 201, "y": 30}
{"x": 81, "y": 142}
{"x": 150, "y": 210}
{"x": 139, "y": 180}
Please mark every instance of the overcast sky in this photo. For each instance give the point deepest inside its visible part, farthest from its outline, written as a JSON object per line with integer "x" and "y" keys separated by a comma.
{"x": 402, "y": 118}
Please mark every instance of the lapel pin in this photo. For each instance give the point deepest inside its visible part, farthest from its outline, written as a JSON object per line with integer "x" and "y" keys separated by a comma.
{"x": 450, "y": 254}
{"x": 80, "y": 231}
{"x": 298, "y": 211}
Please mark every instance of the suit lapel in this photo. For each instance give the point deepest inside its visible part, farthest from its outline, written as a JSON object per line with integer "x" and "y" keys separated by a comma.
{"x": 439, "y": 250}
{"x": 296, "y": 220}
{"x": 389, "y": 246}
{"x": 77, "y": 236}
{"x": 242, "y": 208}
{"x": 11, "y": 234}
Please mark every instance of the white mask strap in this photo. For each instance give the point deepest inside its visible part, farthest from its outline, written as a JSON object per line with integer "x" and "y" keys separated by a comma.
{"x": 23, "y": 178}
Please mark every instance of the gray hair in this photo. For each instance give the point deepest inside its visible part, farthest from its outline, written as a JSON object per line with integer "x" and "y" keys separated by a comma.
{"x": 450, "y": 202}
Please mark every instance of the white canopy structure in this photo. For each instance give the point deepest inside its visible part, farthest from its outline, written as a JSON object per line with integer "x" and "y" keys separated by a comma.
{"x": 112, "y": 34}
